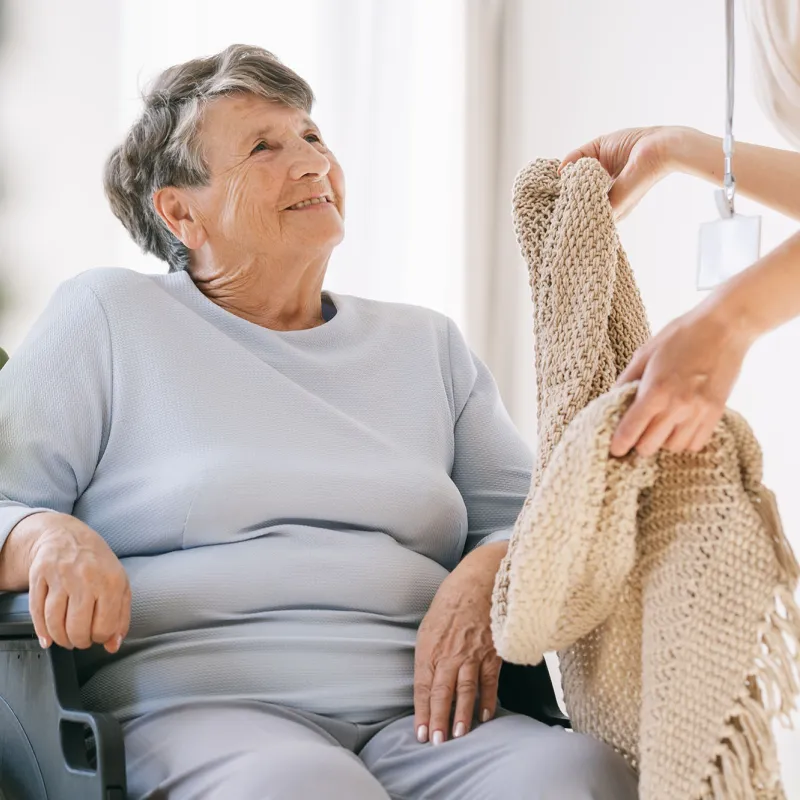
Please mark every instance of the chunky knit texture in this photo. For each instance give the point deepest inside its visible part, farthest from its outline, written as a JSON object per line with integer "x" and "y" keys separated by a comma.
{"x": 666, "y": 583}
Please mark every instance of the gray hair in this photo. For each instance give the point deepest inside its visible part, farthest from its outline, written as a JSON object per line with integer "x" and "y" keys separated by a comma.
{"x": 162, "y": 148}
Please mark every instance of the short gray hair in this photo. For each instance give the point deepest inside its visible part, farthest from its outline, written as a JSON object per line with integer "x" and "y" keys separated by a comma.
{"x": 162, "y": 149}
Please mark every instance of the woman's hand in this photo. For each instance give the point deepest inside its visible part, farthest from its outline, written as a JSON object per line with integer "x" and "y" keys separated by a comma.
{"x": 636, "y": 158}
{"x": 687, "y": 373}
{"x": 78, "y": 590}
{"x": 455, "y": 655}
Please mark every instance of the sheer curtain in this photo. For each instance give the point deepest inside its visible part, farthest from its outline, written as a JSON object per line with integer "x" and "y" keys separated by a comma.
{"x": 498, "y": 144}
{"x": 389, "y": 77}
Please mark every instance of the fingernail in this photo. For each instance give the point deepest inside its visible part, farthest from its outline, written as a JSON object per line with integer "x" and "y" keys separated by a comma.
{"x": 486, "y": 715}
{"x": 460, "y": 730}
{"x": 43, "y": 642}
{"x": 118, "y": 642}
{"x": 422, "y": 733}
{"x": 438, "y": 737}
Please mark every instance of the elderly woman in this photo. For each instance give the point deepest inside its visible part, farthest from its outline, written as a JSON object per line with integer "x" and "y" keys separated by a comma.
{"x": 279, "y": 509}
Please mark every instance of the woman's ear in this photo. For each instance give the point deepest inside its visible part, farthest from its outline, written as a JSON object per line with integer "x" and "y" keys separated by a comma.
{"x": 172, "y": 205}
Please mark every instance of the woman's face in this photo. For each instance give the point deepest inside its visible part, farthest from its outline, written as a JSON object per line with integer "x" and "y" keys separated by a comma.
{"x": 264, "y": 158}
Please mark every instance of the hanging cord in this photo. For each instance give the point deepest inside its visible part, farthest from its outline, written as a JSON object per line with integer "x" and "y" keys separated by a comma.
{"x": 726, "y": 206}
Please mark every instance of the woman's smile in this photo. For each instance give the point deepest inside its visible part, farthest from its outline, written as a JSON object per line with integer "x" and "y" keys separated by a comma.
{"x": 312, "y": 206}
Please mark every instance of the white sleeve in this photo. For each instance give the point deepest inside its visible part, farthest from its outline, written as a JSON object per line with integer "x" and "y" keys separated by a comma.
{"x": 55, "y": 408}
{"x": 492, "y": 463}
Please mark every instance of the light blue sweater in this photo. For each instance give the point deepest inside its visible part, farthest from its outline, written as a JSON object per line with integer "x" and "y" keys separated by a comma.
{"x": 285, "y": 504}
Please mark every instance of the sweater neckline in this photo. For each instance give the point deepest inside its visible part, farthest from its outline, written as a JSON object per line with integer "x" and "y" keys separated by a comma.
{"x": 317, "y": 334}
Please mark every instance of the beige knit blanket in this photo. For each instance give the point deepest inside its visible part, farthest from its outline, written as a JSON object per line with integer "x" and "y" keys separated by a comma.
{"x": 666, "y": 583}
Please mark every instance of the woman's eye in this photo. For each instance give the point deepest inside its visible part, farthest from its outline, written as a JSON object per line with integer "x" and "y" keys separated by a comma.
{"x": 314, "y": 136}
{"x": 260, "y": 147}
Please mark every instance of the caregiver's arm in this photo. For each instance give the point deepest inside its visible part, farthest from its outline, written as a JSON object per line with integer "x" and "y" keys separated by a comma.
{"x": 638, "y": 158}
{"x": 688, "y": 370}
{"x": 765, "y": 174}
{"x": 55, "y": 415}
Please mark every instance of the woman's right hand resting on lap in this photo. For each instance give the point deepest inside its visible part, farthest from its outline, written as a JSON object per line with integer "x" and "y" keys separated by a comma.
{"x": 78, "y": 589}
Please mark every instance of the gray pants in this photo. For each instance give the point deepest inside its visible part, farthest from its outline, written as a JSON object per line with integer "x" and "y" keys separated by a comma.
{"x": 247, "y": 750}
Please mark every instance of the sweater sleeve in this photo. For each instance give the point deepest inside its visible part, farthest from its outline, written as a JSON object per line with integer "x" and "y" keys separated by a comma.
{"x": 55, "y": 408}
{"x": 492, "y": 463}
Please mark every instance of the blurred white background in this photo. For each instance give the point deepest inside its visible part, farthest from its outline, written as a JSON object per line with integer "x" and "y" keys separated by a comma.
{"x": 432, "y": 106}
{"x": 390, "y": 102}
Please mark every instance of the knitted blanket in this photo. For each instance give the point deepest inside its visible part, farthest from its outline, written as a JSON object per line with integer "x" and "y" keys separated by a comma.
{"x": 665, "y": 583}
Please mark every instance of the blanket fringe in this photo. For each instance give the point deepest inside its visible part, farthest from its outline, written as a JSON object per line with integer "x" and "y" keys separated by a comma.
{"x": 746, "y": 759}
{"x": 767, "y": 507}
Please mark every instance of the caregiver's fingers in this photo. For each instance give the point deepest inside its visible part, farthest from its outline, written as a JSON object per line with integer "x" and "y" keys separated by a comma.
{"x": 704, "y": 433}
{"x": 630, "y": 187}
{"x": 657, "y": 433}
{"x": 590, "y": 150}
{"x": 636, "y": 367}
{"x": 647, "y": 406}
{"x": 683, "y": 435}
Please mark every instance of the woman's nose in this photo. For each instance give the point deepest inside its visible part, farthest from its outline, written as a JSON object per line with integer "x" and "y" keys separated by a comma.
{"x": 308, "y": 161}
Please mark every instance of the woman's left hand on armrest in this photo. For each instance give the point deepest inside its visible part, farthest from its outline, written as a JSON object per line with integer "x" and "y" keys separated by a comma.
{"x": 455, "y": 654}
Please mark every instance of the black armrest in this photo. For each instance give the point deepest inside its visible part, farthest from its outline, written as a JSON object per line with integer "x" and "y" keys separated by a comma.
{"x": 43, "y": 724}
{"x": 15, "y": 617}
{"x": 529, "y": 690}
{"x": 523, "y": 689}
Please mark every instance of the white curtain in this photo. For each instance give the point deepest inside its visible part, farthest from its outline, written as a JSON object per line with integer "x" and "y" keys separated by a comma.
{"x": 498, "y": 319}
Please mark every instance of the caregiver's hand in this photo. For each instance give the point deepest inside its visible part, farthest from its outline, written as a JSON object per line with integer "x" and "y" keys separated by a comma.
{"x": 636, "y": 158}
{"x": 687, "y": 373}
{"x": 455, "y": 655}
{"x": 78, "y": 590}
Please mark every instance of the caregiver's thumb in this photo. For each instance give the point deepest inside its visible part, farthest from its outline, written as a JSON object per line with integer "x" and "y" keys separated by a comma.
{"x": 636, "y": 158}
